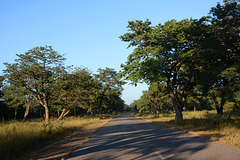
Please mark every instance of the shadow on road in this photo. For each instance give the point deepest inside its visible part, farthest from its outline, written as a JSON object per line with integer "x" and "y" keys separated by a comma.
{"x": 127, "y": 137}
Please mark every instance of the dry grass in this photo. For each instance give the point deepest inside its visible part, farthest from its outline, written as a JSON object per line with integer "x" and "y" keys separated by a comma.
{"x": 206, "y": 124}
{"x": 20, "y": 138}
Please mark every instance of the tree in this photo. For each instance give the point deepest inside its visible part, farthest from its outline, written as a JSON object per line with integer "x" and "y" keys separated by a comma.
{"x": 162, "y": 53}
{"x": 14, "y": 97}
{"x": 110, "y": 89}
{"x": 37, "y": 72}
{"x": 220, "y": 53}
{"x": 76, "y": 89}
{"x": 158, "y": 97}
{"x": 1, "y": 85}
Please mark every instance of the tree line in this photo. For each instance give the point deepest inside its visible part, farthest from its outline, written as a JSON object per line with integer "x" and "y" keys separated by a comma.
{"x": 192, "y": 61}
{"x": 39, "y": 80}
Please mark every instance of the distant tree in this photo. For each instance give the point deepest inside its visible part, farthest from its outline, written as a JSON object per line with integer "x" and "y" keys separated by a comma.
{"x": 37, "y": 71}
{"x": 133, "y": 106}
{"x": 1, "y": 85}
{"x": 110, "y": 89}
{"x": 16, "y": 98}
{"x": 142, "y": 104}
{"x": 127, "y": 108}
{"x": 158, "y": 97}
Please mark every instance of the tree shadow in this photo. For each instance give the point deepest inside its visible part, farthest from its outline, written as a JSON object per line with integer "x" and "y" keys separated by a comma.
{"x": 127, "y": 137}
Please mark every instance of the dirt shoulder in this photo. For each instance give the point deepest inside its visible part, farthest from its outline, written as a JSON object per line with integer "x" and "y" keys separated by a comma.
{"x": 62, "y": 148}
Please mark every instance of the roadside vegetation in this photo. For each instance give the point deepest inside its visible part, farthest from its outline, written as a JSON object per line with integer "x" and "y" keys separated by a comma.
{"x": 18, "y": 139}
{"x": 204, "y": 123}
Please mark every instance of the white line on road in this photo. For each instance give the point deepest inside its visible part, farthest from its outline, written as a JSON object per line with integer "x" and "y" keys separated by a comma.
{"x": 159, "y": 155}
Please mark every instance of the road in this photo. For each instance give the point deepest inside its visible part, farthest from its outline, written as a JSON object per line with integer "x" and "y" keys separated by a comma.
{"x": 126, "y": 137}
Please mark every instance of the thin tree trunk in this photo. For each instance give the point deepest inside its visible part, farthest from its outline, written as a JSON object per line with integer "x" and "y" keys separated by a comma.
{"x": 63, "y": 114}
{"x": 66, "y": 113}
{"x": 15, "y": 114}
{"x": 26, "y": 113}
{"x": 194, "y": 108}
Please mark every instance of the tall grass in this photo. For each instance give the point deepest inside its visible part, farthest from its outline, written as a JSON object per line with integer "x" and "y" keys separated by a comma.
{"x": 19, "y": 138}
{"x": 203, "y": 123}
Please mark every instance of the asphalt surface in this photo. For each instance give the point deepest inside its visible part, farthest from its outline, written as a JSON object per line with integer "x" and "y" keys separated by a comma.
{"x": 126, "y": 137}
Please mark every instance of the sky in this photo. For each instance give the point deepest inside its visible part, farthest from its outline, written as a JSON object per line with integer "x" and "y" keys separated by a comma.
{"x": 86, "y": 31}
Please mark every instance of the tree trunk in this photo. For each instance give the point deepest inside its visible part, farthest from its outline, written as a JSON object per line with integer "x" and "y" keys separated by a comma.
{"x": 218, "y": 107}
{"x": 176, "y": 104}
{"x": 47, "y": 117}
{"x": 44, "y": 103}
{"x": 26, "y": 113}
{"x": 15, "y": 114}
{"x": 177, "y": 108}
{"x": 63, "y": 114}
{"x": 223, "y": 101}
{"x": 178, "y": 116}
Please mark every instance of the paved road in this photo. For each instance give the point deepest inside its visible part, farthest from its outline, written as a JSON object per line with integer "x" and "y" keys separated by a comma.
{"x": 127, "y": 137}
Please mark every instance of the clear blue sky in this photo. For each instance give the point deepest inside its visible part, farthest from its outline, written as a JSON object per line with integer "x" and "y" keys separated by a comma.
{"x": 86, "y": 31}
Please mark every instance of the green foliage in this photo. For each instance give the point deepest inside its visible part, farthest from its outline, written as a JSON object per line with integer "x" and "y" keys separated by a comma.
{"x": 75, "y": 89}
{"x": 162, "y": 53}
{"x": 110, "y": 89}
{"x": 158, "y": 52}
{"x": 39, "y": 75}
{"x": 1, "y": 85}
{"x": 36, "y": 73}
{"x": 219, "y": 53}
{"x": 155, "y": 100}
{"x": 195, "y": 58}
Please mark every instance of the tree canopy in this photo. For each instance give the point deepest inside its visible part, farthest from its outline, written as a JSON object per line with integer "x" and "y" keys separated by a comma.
{"x": 187, "y": 54}
{"x": 39, "y": 75}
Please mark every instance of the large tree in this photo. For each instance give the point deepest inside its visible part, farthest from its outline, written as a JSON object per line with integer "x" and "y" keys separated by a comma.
{"x": 37, "y": 71}
{"x": 162, "y": 53}
{"x": 219, "y": 53}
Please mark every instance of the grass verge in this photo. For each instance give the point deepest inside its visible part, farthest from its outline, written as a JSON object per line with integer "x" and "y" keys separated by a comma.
{"x": 18, "y": 139}
{"x": 206, "y": 124}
